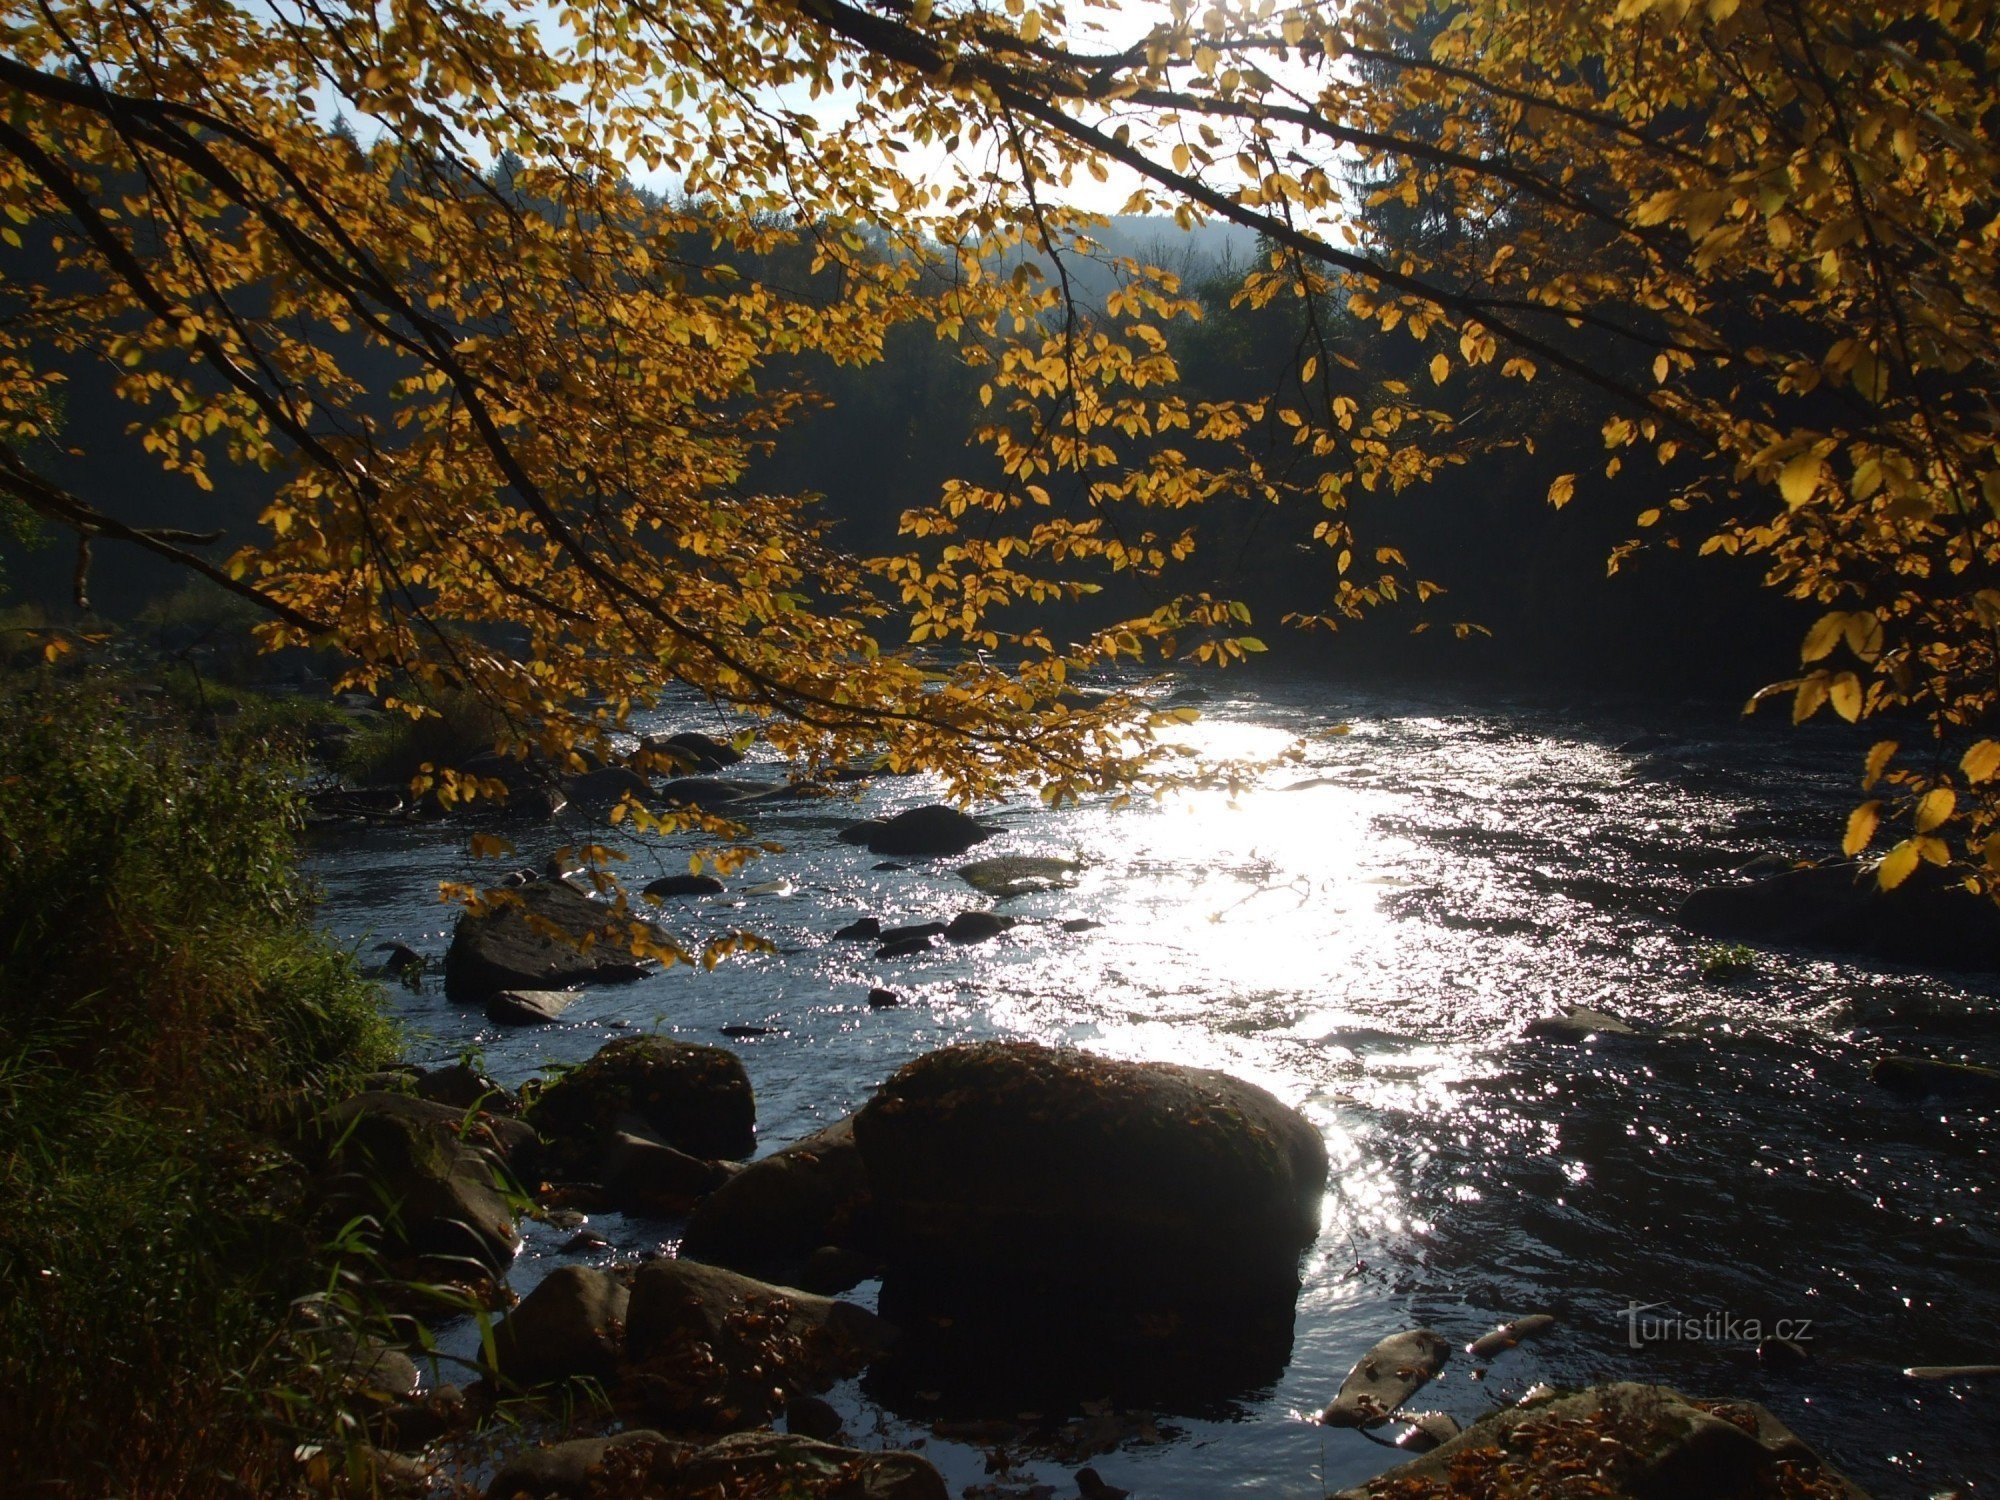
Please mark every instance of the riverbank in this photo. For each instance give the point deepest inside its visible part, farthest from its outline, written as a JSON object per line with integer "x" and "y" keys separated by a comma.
{"x": 167, "y": 1009}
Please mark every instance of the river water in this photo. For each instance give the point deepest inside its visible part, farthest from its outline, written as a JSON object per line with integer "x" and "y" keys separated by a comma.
{"x": 1367, "y": 933}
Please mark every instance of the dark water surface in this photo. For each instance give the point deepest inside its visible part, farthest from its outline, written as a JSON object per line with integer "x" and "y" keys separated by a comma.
{"x": 1367, "y": 934}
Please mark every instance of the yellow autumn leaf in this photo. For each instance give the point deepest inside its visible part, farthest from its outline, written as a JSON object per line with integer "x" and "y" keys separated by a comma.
{"x": 1440, "y": 368}
{"x": 1933, "y": 808}
{"x": 1799, "y": 479}
{"x": 1562, "y": 490}
{"x": 1981, "y": 761}
{"x": 1844, "y": 693}
{"x": 1823, "y": 637}
{"x": 1861, "y": 825}
{"x": 1896, "y": 865}
{"x": 1879, "y": 756}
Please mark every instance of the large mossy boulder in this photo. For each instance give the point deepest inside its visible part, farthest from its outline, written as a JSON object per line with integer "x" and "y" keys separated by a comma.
{"x": 771, "y": 1217}
{"x": 1926, "y": 920}
{"x": 1011, "y": 1163}
{"x": 1624, "y": 1442}
{"x": 545, "y": 935}
{"x": 434, "y": 1184}
{"x": 932, "y": 829}
{"x": 687, "y": 1095}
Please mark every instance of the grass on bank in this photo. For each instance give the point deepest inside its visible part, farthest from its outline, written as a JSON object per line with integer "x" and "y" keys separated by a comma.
{"x": 165, "y": 1007}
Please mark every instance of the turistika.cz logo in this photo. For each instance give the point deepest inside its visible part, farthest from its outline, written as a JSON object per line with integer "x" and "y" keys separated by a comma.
{"x": 1643, "y": 1326}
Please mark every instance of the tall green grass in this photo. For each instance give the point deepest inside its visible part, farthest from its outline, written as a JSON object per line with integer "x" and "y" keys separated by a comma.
{"x": 166, "y": 1010}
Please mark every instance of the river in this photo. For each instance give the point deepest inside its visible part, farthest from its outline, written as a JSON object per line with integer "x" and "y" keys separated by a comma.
{"x": 1367, "y": 933}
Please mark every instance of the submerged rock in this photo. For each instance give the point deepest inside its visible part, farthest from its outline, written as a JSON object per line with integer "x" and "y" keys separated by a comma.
{"x": 1926, "y": 920}
{"x": 1626, "y": 1442}
{"x": 692, "y": 1097}
{"x": 707, "y": 792}
{"x": 929, "y": 830}
{"x": 1578, "y": 1024}
{"x": 1385, "y": 1377}
{"x": 536, "y": 940}
{"x": 1923, "y": 1077}
{"x": 529, "y": 1007}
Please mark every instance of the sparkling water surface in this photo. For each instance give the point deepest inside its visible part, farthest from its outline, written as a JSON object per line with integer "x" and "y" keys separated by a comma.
{"x": 1366, "y": 932}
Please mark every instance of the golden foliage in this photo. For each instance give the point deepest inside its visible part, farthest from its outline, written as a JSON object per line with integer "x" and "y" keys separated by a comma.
{"x": 1762, "y": 232}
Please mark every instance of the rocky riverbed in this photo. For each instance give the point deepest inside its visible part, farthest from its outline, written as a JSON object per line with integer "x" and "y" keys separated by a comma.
{"x": 1442, "y": 943}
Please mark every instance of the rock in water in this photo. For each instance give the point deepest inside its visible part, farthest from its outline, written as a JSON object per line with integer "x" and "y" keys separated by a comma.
{"x": 784, "y": 1464}
{"x": 1507, "y": 1335}
{"x": 529, "y": 1007}
{"x": 1578, "y": 1024}
{"x": 1018, "y": 874}
{"x": 597, "y": 792}
{"x": 509, "y": 946}
{"x": 1634, "y": 1442}
{"x": 769, "y": 1218}
{"x": 411, "y": 1153}
{"x": 707, "y": 792}
{"x": 690, "y": 751}
{"x": 932, "y": 829}
{"x": 976, "y": 927}
{"x": 1385, "y": 1377}
{"x": 572, "y": 1326}
{"x": 1926, "y": 920}
{"x": 692, "y": 1097}
{"x": 1923, "y": 1077}
{"x": 726, "y": 1350}
{"x": 1024, "y": 1165}
{"x": 669, "y": 886}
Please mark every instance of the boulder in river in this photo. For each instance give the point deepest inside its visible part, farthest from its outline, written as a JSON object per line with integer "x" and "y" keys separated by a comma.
{"x": 1011, "y": 1162}
{"x": 1385, "y": 1377}
{"x": 645, "y": 1462}
{"x": 769, "y": 1218}
{"x": 1926, "y": 920}
{"x": 868, "y": 929}
{"x": 434, "y": 1188}
{"x": 689, "y": 752}
{"x": 1624, "y": 1442}
{"x": 707, "y": 1347}
{"x": 571, "y": 1326}
{"x": 692, "y": 1097}
{"x": 669, "y": 886}
{"x": 597, "y": 792}
{"x": 645, "y": 1175}
{"x": 1008, "y": 875}
{"x": 976, "y": 927}
{"x": 546, "y": 935}
{"x": 931, "y": 829}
